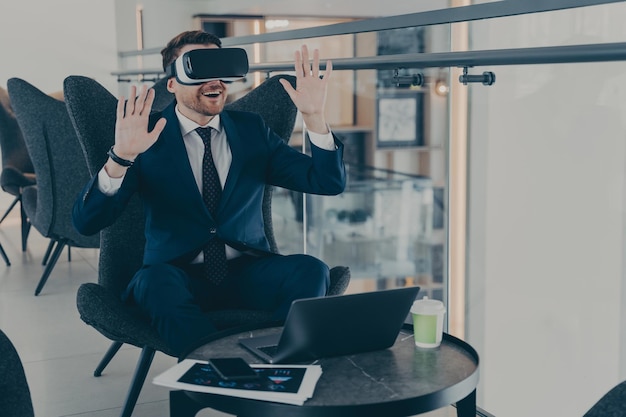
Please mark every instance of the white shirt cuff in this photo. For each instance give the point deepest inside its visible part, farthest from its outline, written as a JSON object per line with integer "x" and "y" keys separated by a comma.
{"x": 323, "y": 140}
{"x": 108, "y": 185}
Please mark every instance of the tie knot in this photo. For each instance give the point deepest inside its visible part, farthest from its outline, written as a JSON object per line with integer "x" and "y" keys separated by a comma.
{"x": 205, "y": 134}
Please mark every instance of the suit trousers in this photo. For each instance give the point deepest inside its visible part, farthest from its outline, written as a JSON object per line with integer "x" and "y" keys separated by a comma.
{"x": 175, "y": 299}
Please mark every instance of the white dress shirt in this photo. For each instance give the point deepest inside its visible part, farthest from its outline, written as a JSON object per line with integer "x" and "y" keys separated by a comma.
{"x": 222, "y": 157}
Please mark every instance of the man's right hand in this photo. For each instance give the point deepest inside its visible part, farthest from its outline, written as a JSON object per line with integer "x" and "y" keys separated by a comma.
{"x": 131, "y": 129}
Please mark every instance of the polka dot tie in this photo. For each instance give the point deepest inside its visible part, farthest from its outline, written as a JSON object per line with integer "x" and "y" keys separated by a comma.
{"x": 214, "y": 252}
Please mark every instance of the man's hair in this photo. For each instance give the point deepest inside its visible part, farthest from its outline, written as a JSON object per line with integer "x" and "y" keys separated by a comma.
{"x": 192, "y": 37}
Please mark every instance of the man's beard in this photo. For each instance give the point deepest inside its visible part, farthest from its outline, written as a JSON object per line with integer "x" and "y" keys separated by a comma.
{"x": 200, "y": 107}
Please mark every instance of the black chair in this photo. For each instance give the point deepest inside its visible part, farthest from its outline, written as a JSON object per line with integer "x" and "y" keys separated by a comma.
{"x": 612, "y": 404}
{"x": 17, "y": 168}
{"x": 162, "y": 97}
{"x": 59, "y": 166}
{"x": 92, "y": 110}
{"x": 15, "y": 400}
{"x": 4, "y": 256}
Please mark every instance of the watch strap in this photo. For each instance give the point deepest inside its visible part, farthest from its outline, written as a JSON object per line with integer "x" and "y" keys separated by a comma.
{"x": 118, "y": 160}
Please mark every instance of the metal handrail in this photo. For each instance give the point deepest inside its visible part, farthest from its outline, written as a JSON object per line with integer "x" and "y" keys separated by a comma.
{"x": 495, "y": 57}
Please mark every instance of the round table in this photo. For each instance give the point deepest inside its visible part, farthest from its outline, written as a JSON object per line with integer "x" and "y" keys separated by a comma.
{"x": 402, "y": 380}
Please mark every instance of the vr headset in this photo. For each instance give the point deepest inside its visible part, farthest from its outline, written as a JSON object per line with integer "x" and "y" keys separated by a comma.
{"x": 201, "y": 65}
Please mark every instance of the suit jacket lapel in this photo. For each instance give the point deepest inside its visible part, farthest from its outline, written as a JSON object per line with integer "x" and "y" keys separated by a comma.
{"x": 173, "y": 149}
{"x": 237, "y": 150}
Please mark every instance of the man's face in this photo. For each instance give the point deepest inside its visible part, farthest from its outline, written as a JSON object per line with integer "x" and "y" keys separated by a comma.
{"x": 199, "y": 102}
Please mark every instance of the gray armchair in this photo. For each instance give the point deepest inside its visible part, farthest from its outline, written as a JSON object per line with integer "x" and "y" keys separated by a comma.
{"x": 17, "y": 168}
{"x": 612, "y": 404}
{"x": 59, "y": 166}
{"x": 162, "y": 97}
{"x": 15, "y": 400}
{"x": 92, "y": 110}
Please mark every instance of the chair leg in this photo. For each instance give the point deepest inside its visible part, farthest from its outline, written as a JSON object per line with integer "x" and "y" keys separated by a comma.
{"x": 4, "y": 255}
{"x": 46, "y": 256}
{"x": 69, "y": 253}
{"x": 51, "y": 263}
{"x": 115, "y": 346}
{"x": 145, "y": 360}
{"x": 6, "y": 213}
{"x": 25, "y": 226}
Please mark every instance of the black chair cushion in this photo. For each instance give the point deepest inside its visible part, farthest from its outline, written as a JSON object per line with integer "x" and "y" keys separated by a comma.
{"x": 58, "y": 159}
{"x": 15, "y": 399}
{"x": 12, "y": 180}
{"x": 612, "y": 404}
{"x": 104, "y": 311}
{"x": 14, "y": 152}
{"x": 339, "y": 280}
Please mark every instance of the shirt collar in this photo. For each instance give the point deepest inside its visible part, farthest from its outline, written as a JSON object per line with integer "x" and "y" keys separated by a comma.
{"x": 188, "y": 125}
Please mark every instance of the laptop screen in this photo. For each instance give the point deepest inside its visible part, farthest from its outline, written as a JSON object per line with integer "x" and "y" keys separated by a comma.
{"x": 339, "y": 325}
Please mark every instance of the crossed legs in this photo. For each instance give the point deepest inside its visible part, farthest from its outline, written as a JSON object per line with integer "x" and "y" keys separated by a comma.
{"x": 176, "y": 299}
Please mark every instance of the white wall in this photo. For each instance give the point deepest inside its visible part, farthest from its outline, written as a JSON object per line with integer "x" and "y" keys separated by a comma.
{"x": 546, "y": 245}
{"x": 44, "y": 41}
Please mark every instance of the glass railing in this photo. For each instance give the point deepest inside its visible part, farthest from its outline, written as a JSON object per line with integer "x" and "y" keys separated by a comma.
{"x": 381, "y": 227}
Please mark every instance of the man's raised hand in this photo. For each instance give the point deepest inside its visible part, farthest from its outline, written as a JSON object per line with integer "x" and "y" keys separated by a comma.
{"x": 131, "y": 127}
{"x": 309, "y": 96}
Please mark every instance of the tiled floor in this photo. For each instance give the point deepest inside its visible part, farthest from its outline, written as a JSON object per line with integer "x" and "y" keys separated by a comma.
{"x": 58, "y": 350}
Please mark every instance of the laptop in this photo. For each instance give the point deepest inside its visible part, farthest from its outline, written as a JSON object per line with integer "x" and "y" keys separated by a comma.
{"x": 336, "y": 325}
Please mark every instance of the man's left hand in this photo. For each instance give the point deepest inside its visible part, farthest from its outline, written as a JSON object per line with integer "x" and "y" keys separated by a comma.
{"x": 309, "y": 96}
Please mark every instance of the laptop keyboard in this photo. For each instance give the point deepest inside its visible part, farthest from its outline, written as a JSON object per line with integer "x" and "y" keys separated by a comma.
{"x": 269, "y": 350}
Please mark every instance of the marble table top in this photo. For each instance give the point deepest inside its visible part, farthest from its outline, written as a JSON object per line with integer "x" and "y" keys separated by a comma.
{"x": 400, "y": 380}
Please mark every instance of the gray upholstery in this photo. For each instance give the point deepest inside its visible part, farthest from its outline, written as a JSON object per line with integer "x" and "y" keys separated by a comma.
{"x": 59, "y": 166}
{"x": 162, "y": 97}
{"x": 612, "y": 404}
{"x": 92, "y": 111}
{"x": 17, "y": 168}
{"x": 14, "y": 153}
{"x": 15, "y": 400}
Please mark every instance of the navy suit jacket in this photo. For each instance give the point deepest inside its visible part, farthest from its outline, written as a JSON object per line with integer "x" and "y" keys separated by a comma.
{"x": 177, "y": 221}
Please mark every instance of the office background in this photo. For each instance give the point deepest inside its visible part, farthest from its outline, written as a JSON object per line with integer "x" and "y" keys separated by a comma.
{"x": 545, "y": 299}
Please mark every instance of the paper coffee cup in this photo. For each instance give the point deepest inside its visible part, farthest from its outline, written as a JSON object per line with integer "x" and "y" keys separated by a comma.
{"x": 427, "y": 322}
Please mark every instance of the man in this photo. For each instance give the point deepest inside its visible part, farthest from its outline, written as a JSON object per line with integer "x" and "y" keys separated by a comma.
{"x": 164, "y": 158}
